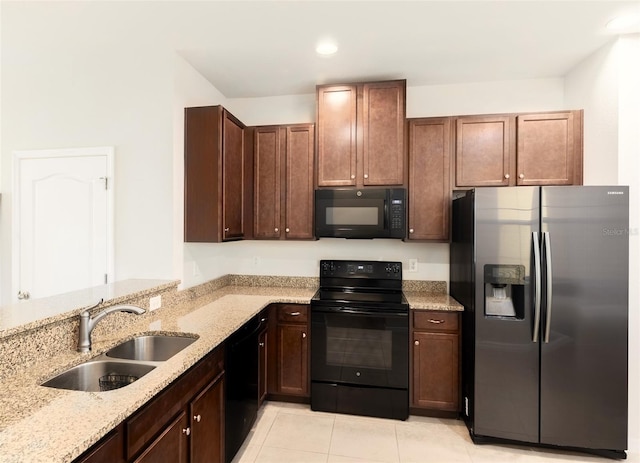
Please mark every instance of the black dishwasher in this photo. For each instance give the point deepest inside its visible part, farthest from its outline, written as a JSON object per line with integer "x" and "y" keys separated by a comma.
{"x": 241, "y": 373}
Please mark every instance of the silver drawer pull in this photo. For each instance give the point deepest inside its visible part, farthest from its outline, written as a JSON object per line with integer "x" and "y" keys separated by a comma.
{"x": 197, "y": 418}
{"x": 434, "y": 321}
{"x": 186, "y": 431}
{"x": 294, "y": 314}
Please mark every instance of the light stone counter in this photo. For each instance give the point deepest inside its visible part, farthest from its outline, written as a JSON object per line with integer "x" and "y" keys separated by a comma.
{"x": 419, "y": 300}
{"x": 40, "y": 424}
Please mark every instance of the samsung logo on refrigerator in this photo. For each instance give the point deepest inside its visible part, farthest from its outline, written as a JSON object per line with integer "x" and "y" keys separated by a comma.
{"x": 615, "y": 192}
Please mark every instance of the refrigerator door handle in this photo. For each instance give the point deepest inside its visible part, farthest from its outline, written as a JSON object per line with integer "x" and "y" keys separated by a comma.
{"x": 536, "y": 286}
{"x": 546, "y": 240}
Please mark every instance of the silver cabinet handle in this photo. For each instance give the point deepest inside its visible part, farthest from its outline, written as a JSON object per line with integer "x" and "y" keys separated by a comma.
{"x": 226, "y": 229}
{"x": 507, "y": 176}
{"x": 276, "y": 230}
{"x": 186, "y": 431}
{"x": 197, "y": 418}
{"x": 411, "y": 230}
{"x": 304, "y": 335}
{"x": 366, "y": 175}
{"x": 537, "y": 285}
{"x": 417, "y": 343}
{"x": 353, "y": 176}
{"x": 434, "y": 321}
{"x": 261, "y": 344}
{"x": 294, "y": 314}
{"x": 546, "y": 240}
{"x": 521, "y": 175}
{"x": 287, "y": 230}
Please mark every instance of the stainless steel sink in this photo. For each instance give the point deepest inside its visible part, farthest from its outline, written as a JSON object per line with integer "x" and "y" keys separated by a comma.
{"x": 150, "y": 348}
{"x": 99, "y": 375}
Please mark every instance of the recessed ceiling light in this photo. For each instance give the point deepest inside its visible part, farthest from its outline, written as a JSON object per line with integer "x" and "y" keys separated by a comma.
{"x": 326, "y": 48}
{"x": 622, "y": 23}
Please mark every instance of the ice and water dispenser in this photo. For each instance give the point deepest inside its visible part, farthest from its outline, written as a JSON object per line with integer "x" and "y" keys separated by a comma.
{"x": 504, "y": 291}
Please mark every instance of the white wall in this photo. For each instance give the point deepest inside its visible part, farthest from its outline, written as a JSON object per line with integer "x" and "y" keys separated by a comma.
{"x": 606, "y": 85}
{"x": 71, "y": 87}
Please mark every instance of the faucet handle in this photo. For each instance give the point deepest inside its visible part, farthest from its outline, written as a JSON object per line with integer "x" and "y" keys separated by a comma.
{"x": 86, "y": 309}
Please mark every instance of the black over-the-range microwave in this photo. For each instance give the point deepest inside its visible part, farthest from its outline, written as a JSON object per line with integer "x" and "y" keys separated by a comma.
{"x": 361, "y": 213}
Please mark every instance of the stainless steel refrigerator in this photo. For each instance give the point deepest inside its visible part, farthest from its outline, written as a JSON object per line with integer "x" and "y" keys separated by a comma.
{"x": 543, "y": 275}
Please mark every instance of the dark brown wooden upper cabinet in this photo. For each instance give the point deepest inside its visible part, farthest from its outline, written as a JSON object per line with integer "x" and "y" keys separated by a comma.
{"x": 217, "y": 176}
{"x": 429, "y": 178}
{"x": 283, "y": 191}
{"x": 361, "y": 134}
{"x": 549, "y": 148}
{"x": 485, "y": 147}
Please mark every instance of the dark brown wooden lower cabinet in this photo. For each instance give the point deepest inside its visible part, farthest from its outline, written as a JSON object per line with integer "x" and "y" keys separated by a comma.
{"x": 436, "y": 362}
{"x": 171, "y": 445}
{"x": 288, "y": 370}
{"x": 207, "y": 424}
{"x": 109, "y": 450}
{"x": 183, "y": 423}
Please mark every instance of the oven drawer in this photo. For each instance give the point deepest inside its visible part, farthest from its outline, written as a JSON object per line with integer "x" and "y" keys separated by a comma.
{"x": 435, "y": 321}
{"x": 293, "y": 313}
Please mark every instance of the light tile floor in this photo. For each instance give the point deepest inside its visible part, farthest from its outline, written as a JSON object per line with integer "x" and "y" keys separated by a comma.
{"x": 293, "y": 433}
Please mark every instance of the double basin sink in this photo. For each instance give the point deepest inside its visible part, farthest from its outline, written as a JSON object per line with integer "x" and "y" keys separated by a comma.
{"x": 122, "y": 364}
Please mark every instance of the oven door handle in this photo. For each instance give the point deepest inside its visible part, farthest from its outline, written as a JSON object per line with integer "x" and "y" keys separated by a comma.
{"x": 350, "y": 311}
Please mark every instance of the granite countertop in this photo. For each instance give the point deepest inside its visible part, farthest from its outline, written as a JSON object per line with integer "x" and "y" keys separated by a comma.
{"x": 40, "y": 424}
{"x": 420, "y": 300}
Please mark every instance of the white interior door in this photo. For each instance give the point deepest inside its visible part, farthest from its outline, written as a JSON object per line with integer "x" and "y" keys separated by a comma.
{"x": 63, "y": 221}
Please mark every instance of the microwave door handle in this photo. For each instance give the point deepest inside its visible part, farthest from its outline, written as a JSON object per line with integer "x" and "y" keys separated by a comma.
{"x": 537, "y": 281}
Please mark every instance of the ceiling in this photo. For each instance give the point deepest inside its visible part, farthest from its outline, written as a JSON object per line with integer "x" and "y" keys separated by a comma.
{"x": 267, "y": 48}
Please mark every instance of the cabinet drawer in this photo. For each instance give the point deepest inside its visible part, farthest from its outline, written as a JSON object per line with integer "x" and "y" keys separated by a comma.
{"x": 435, "y": 321}
{"x": 293, "y": 313}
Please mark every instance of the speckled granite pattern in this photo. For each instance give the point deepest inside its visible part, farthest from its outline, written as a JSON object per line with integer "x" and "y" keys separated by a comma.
{"x": 274, "y": 281}
{"x": 419, "y": 300}
{"x": 436, "y": 287}
{"x": 39, "y": 424}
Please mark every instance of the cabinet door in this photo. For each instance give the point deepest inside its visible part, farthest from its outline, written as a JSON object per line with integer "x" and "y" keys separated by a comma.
{"x": 267, "y": 187}
{"x": 262, "y": 365}
{"x": 109, "y": 450}
{"x": 336, "y": 135}
{"x": 383, "y": 114}
{"x": 436, "y": 382}
{"x": 293, "y": 366}
{"x": 484, "y": 151}
{"x": 233, "y": 171}
{"x": 299, "y": 182}
{"x": 171, "y": 445}
{"x": 549, "y": 148}
{"x": 207, "y": 423}
{"x": 429, "y": 185}
{"x": 202, "y": 174}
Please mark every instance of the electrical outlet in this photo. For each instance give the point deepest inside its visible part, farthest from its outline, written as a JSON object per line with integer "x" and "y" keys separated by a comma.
{"x": 413, "y": 265}
{"x": 155, "y": 302}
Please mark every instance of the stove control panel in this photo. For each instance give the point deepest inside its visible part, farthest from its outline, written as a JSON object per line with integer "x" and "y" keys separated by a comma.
{"x": 361, "y": 269}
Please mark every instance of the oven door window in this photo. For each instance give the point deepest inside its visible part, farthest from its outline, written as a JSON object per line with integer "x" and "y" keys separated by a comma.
{"x": 369, "y": 349}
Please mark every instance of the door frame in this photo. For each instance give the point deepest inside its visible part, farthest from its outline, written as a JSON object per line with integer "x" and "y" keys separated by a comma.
{"x": 18, "y": 156}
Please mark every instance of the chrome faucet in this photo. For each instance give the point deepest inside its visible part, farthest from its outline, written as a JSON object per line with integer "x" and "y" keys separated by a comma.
{"x": 87, "y": 323}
